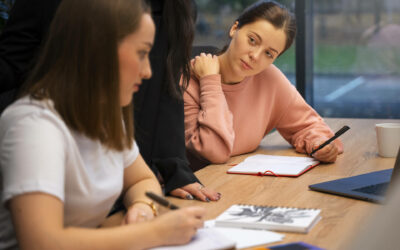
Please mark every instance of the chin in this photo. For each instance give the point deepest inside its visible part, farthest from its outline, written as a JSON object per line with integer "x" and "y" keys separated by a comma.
{"x": 125, "y": 103}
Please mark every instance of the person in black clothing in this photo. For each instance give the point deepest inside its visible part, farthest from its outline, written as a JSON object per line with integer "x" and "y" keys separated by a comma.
{"x": 158, "y": 107}
{"x": 159, "y": 116}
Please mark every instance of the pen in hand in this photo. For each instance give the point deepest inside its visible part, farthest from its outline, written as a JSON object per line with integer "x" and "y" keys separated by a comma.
{"x": 337, "y": 134}
{"x": 160, "y": 200}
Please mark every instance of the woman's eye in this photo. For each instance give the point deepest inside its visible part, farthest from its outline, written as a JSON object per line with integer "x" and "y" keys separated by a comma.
{"x": 269, "y": 54}
{"x": 252, "y": 41}
{"x": 142, "y": 54}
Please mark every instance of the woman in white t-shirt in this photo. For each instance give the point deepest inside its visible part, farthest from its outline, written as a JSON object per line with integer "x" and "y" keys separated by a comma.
{"x": 66, "y": 146}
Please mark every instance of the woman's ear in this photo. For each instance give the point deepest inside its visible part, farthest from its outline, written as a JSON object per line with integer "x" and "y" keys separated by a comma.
{"x": 233, "y": 29}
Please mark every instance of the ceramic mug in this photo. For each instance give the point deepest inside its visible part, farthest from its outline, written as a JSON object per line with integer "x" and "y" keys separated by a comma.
{"x": 388, "y": 138}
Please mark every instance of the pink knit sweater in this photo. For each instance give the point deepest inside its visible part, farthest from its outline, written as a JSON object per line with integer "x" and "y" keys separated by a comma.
{"x": 225, "y": 120}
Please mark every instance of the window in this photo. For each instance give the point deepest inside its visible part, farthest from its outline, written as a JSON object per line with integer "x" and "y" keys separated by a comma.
{"x": 357, "y": 58}
{"x": 355, "y": 52}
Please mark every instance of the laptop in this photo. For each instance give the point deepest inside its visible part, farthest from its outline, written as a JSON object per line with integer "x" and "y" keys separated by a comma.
{"x": 369, "y": 187}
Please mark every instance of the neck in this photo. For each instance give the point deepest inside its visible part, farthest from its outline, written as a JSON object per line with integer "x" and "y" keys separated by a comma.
{"x": 227, "y": 74}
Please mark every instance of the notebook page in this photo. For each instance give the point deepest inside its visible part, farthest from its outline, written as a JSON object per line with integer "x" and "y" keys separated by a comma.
{"x": 246, "y": 237}
{"x": 205, "y": 238}
{"x": 280, "y": 165}
{"x": 279, "y": 158}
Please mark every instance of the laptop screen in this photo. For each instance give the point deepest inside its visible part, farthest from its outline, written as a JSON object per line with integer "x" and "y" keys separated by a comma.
{"x": 396, "y": 170}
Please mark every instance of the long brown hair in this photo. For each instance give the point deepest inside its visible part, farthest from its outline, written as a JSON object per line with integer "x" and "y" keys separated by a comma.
{"x": 78, "y": 68}
{"x": 179, "y": 17}
{"x": 273, "y": 12}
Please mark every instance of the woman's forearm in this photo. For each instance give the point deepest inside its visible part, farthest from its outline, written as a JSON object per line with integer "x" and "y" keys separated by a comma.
{"x": 132, "y": 236}
{"x": 137, "y": 191}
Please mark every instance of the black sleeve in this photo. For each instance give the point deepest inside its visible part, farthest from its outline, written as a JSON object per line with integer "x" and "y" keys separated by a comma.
{"x": 21, "y": 38}
{"x": 170, "y": 151}
{"x": 159, "y": 118}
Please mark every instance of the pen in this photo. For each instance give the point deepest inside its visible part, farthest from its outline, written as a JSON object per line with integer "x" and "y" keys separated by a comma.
{"x": 337, "y": 134}
{"x": 160, "y": 200}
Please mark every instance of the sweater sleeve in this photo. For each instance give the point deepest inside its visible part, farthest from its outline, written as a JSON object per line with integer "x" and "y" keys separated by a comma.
{"x": 300, "y": 124}
{"x": 208, "y": 120}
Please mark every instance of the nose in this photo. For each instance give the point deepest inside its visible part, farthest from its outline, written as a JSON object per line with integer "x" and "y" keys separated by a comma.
{"x": 255, "y": 54}
{"x": 146, "y": 73}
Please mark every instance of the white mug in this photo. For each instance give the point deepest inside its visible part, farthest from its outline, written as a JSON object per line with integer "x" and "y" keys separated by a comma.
{"x": 388, "y": 137}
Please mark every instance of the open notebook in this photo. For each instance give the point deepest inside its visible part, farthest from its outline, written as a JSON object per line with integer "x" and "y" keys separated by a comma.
{"x": 274, "y": 165}
{"x": 205, "y": 238}
{"x": 212, "y": 237}
{"x": 287, "y": 219}
{"x": 245, "y": 237}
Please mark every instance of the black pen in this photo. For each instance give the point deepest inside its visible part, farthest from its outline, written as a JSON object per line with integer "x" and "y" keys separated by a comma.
{"x": 337, "y": 134}
{"x": 160, "y": 200}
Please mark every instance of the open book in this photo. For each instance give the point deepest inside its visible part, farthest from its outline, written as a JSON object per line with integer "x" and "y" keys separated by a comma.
{"x": 299, "y": 220}
{"x": 274, "y": 165}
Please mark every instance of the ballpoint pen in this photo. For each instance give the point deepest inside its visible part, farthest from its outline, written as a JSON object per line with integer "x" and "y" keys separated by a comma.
{"x": 160, "y": 200}
{"x": 337, "y": 134}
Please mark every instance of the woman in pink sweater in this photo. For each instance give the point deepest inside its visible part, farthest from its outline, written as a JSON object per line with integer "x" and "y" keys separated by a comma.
{"x": 236, "y": 98}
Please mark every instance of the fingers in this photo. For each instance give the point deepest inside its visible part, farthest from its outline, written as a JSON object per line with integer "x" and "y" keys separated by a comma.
{"x": 197, "y": 212}
{"x": 194, "y": 220}
{"x": 202, "y": 193}
{"x": 205, "y": 64}
{"x": 328, "y": 153}
{"x": 133, "y": 217}
{"x": 138, "y": 213}
{"x": 211, "y": 194}
{"x": 196, "y": 191}
{"x": 181, "y": 193}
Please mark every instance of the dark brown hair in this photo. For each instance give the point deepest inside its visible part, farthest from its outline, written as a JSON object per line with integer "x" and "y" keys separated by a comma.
{"x": 273, "y": 12}
{"x": 78, "y": 68}
{"x": 179, "y": 17}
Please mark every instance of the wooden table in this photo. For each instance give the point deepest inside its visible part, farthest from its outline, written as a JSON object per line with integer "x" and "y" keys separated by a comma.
{"x": 341, "y": 217}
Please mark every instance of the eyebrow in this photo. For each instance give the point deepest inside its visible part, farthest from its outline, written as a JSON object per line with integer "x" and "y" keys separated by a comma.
{"x": 149, "y": 44}
{"x": 259, "y": 37}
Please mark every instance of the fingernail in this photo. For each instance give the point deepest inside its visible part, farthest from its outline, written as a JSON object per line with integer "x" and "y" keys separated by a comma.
{"x": 189, "y": 197}
{"x": 208, "y": 200}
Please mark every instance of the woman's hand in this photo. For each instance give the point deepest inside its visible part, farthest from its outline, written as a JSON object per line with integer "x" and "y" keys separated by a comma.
{"x": 179, "y": 226}
{"x": 205, "y": 65}
{"x": 328, "y": 153}
{"x": 138, "y": 212}
{"x": 196, "y": 190}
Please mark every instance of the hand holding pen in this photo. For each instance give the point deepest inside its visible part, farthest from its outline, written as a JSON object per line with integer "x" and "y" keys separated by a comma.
{"x": 178, "y": 225}
{"x": 327, "y": 152}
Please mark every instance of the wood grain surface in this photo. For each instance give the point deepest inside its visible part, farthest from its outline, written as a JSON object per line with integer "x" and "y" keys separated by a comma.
{"x": 341, "y": 217}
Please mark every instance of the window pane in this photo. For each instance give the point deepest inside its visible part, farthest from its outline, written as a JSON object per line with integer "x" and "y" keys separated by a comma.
{"x": 357, "y": 58}
{"x": 214, "y": 19}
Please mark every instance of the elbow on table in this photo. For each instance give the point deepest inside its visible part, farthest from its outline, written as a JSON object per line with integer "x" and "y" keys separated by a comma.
{"x": 218, "y": 158}
{"x": 215, "y": 153}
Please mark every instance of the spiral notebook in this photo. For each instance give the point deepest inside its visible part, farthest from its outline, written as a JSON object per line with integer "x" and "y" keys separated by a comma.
{"x": 286, "y": 219}
{"x": 259, "y": 164}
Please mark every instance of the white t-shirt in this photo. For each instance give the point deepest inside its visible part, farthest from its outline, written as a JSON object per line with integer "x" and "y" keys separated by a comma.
{"x": 39, "y": 153}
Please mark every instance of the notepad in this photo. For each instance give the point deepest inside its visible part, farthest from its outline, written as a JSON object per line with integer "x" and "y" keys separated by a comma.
{"x": 274, "y": 165}
{"x": 245, "y": 237}
{"x": 286, "y": 219}
{"x": 205, "y": 238}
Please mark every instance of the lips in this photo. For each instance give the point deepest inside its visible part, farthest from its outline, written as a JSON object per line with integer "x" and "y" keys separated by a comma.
{"x": 245, "y": 65}
{"x": 136, "y": 86}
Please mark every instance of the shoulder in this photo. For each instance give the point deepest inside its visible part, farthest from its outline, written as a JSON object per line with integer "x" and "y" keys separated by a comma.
{"x": 193, "y": 89}
{"x": 27, "y": 117}
{"x": 272, "y": 74}
{"x": 273, "y": 78}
